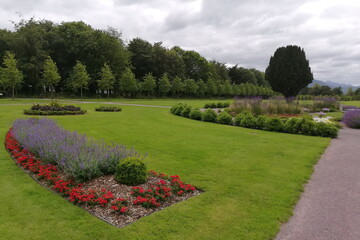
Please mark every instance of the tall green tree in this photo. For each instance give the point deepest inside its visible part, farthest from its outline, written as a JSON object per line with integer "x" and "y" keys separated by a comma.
{"x": 141, "y": 56}
{"x": 128, "y": 84}
{"x": 149, "y": 84}
{"x": 51, "y": 75}
{"x": 107, "y": 79}
{"x": 190, "y": 87}
{"x": 164, "y": 85}
{"x": 10, "y": 76}
{"x": 288, "y": 71}
{"x": 79, "y": 78}
{"x": 177, "y": 86}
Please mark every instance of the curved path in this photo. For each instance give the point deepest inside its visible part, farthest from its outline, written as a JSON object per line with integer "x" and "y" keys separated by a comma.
{"x": 329, "y": 208}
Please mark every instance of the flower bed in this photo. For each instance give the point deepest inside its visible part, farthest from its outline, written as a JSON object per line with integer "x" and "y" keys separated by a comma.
{"x": 108, "y": 109}
{"x": 304, "y": 125}
{"x": 103, "y": 197}
{"x": 54, "y": 108}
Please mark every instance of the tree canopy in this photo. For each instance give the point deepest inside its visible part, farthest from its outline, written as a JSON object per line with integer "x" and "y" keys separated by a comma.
{"x": 288, "y": 71}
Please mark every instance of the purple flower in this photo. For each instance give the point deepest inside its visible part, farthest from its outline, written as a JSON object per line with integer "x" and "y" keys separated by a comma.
{"x": 352, "y": 118}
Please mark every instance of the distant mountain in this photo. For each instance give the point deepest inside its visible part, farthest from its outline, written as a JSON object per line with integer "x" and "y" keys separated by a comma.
{"x": 343, "y": 86}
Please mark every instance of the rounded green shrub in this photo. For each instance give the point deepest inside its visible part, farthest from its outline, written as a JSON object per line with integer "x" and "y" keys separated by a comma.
{"x": 186, "y": 111}
{"x": 224, "y": 118}
{"x": 219, "y": 105}
{"x": 239, "y": 117}
{"x": 274, "y": 124}
{"x": 131, "y": 171}
{"x": 261, "y": 122}
{"x": 208, "y": 115}
{"x": 179, "y": 109}
{"x": 326, "y": 130}
{"x": 291, "y": 125}
{"x": 195, "y": 114}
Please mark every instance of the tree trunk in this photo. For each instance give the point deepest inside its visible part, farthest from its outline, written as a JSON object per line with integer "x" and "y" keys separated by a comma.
{"x": 108, "y": 92}
{"x": 13, "y": 93}
{"x": 81, "y": 93}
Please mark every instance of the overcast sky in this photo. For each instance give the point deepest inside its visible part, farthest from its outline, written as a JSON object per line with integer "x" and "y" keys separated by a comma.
{"x": 244, "y": 32}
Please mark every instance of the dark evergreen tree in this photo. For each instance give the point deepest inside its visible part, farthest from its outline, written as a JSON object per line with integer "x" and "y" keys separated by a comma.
{"x": 288, "y": 71}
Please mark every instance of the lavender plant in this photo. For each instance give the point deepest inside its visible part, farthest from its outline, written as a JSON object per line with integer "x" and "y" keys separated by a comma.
{"x": 351, "y": 118}
{"x": 77, "y": 155}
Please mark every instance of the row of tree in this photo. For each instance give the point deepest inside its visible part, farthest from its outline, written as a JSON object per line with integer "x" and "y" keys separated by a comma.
{"x": 76, "y": 57}
{"x": 129, "y": 86}
{"x": 318, "y": 90}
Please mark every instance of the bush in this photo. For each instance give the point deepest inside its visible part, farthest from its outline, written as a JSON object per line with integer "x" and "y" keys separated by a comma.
{"x": 274, "y": 124}
{"x": 326, "y": 130}
{"x": 48, "y": 113}
{"x": 224, "y": 118}
{"x": 245, "y": 119}
{"x": 186, "y": 111}
{"x": 261, "y": 122}
{"x": 291, "y": 125}
{"x": 131, "y": 171}
{"x": 178, "y": 109}
{"x": 351, "y": 118}
{"x": 209, "y": 115}
{"x": 108, "y": 109}
{"x": 195, "y": 114}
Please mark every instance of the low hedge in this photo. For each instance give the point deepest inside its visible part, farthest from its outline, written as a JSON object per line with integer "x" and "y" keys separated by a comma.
{"x": 217, "y": 105}
{"x": 296, "y": 125}
{"x": 47, "y": 113}
{"x": 108, "y": 109}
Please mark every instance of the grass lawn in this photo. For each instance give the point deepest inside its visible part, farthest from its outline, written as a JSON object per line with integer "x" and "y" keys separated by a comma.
{"x": 198, "y": 103}
{"x": 251, "y": 178}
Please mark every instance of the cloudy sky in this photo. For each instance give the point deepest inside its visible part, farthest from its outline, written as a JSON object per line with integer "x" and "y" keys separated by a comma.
{"x": 244, "y": 32}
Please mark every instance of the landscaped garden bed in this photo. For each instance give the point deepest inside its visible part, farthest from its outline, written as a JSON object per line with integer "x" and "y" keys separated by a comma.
{"x": 54, "y": 108}
{"x": 83, "y": 181}
{"x": 108, "y": 109}
{"x": 275, "y": 115}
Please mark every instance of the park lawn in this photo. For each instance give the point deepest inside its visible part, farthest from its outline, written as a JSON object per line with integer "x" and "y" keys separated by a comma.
{"x": 169, "y": 102}
{"x": 252, "y": 179}
{"x": 351, "y": 103}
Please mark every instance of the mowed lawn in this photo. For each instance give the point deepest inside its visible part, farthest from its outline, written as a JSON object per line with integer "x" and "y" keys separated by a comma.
{"x": 251, "y": 178}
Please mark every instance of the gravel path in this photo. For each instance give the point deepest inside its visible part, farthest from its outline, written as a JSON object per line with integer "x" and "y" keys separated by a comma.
{"x": 329, "y": 208}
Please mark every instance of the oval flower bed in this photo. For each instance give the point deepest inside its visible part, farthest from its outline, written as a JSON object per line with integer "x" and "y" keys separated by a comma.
{"x": 54, "y": 108}
{"x": 102, "y": 196}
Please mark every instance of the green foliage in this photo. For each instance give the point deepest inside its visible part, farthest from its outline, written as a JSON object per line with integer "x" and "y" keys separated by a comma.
{"x": 177, "y": 109}
{"x": 190, "y": 87}
{"x": 326, "y": 130}
{"x": 186, "y": 111}
{"x": 288, "y": 71}
{"x": 79, "y": 78}
{"x": 128, "y": 85}
{"x": 274, "y": 124}
{"x": 10, "y": 76}
{"x": 107, "y": 79}
{"x": 177, "y": 86}
{"x": 108, "y": 108}
{"x": 243, "y": 115}
{"x": 261, "y": 122}
{"x": 164, "y": 85}
{"x": 224, "y": 118}
{"x": 195, "y": 114}
{"x": 51, "y": 76}
{"x": 48, "y": 113}
{"x": 131, "y": 171}
{"x": 149, "y": 84}
{"x": 209, "y": 115}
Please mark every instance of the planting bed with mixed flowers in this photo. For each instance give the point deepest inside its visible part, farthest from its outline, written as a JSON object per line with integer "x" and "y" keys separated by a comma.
{"x": 115, "y": 203}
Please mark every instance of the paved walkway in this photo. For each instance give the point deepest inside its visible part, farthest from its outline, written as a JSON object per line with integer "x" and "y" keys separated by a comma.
{"x": 329, "y": 208}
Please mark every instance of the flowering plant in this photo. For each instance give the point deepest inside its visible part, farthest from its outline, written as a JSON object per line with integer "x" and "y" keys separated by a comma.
{"x": 119, "y": 205}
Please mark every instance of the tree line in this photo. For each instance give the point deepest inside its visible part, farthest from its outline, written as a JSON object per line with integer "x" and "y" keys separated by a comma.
{"x": 74, "y": 58}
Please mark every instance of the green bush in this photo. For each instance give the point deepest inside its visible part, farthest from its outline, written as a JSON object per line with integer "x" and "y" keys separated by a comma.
{"x": 108, "y": 109}
{"x": 186, "y": 111}
{"x": 274, "y": 124}
{"x": 261, "y": 122}
{"x": 224, "y": 118}
{"x": 245, "y": 119}
{"x": 177, "y": 109}
{"x": 326, "y": 130}
{"x": 131, "y": 171}
{"x": 219, "y": 105}
{"x": 195, "y": 114}
{"x": 48, "y": 113}
{"x": 209, "y": 115}
{"x": 291, "y": 125}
